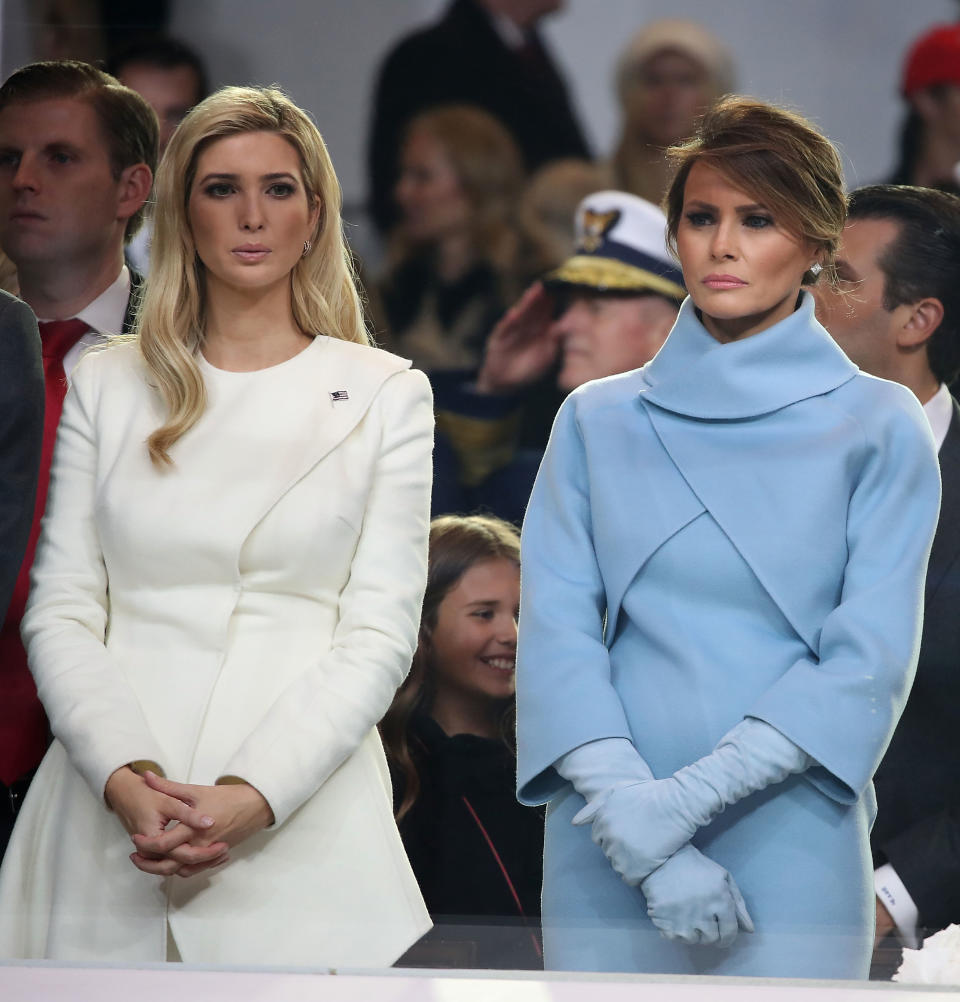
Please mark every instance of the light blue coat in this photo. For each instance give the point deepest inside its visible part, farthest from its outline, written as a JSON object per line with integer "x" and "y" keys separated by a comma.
{"x": 733, "y": 530}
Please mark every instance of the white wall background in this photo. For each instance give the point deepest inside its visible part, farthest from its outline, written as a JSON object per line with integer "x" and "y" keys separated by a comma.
{"x": 838, "y": 61}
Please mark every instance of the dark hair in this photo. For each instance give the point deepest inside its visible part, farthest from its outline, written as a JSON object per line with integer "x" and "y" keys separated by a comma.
{"x": 128, "y": 123}
{"x": 922, "y": 260}
{"x": 780, "y": 158}
{"x": 457, "y": 542}
{"x": 163, "y": 53}
{"x": 911, "y": 139}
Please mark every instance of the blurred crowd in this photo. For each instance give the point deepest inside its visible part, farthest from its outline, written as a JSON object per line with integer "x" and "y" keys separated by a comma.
{"x": 518, "y": 265}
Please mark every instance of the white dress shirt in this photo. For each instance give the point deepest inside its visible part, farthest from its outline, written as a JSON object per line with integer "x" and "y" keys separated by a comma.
{"x": 104, "y": 315}
{"x": 939, "y": 411}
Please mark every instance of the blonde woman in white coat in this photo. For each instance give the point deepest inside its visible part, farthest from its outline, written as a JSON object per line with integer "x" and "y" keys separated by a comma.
{"x": 228, "y": 588}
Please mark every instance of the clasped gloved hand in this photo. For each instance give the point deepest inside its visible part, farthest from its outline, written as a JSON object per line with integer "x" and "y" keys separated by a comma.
{"x": 689, "y": 898}
{"x": 641, "y": 825}
{"x": 694, "y": 900}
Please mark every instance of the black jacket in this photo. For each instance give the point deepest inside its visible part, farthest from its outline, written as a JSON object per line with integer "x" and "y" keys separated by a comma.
{"x": 918, "y": 782}
{"x": 21, "y": 433}
{"x": 461, "y": 59}
{"x": 467, "y": 797}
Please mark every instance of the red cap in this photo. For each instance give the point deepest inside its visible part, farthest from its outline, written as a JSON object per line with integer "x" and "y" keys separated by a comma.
{"x": 933, "y": 59}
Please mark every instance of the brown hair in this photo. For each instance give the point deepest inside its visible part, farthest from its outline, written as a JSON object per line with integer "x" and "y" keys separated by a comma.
{"x": 489, "y": 167}
{"x": 128, "y": 124}
{"x": 777, "y": 156}
{"x": 457, "y": 542}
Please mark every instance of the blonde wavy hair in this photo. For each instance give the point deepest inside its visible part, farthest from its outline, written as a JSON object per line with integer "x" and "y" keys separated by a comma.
{"x": 489, "y": 167}
{"x": 171, "y": 320}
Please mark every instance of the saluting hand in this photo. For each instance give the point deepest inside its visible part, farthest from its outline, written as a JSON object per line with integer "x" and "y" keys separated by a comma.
{"x": 522, "y": 346}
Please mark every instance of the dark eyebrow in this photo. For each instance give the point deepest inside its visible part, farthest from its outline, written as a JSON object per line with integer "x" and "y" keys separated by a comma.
{"x": 282, "y": 175}
{"x": 485, "y": 601}
{"x": 744, "y": 209}
{"x": 61, "y": 146}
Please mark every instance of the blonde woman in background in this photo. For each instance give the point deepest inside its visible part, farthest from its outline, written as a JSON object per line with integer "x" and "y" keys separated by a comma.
{"x": 227, "y": 591}
{"x": 454, "y": 250}
{"x": 669, "y": 74}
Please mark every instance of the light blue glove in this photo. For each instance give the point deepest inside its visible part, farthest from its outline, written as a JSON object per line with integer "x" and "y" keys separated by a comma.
{"x": 694, "y": 900}
{"x": 689, "y": 898}
{"x": 599, "y": 767}
{"x": 640, "y": 826}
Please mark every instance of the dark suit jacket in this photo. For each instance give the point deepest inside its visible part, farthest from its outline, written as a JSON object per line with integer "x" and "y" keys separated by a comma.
{"x": 21, "y": 715}
{"x": 462, "y": 59}
{"x": 21, "y": 433}
{"x": 918, "y": 782}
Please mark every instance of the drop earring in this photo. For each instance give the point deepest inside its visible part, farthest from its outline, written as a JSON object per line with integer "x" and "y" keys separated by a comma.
{"x": 306, "y": 248}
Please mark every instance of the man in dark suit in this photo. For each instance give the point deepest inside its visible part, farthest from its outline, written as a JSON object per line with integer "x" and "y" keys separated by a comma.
{"x": 77, "y": 154}
{"x": 482, "y": 52}
{"x": 896, "y": 313}
{"x": 21, "y": 435}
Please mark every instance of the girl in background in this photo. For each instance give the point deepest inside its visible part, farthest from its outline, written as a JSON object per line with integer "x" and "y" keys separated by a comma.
{"x": 476, "y": 852}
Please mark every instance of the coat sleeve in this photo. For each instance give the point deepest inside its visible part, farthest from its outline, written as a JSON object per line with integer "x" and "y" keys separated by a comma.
{"x": 842, "y": 706}
{"x": 92, "y": 708}
{"x": 321, "y": 719}
{"x": 564, "y": 694}
{"x": 21, "y": 435}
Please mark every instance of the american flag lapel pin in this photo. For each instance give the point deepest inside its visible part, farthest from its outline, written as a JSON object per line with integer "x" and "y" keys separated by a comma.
{"x": 337, "y": 395}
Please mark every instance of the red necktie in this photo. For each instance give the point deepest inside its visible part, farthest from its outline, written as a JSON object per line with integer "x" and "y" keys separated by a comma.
{"x": 23, "y": 727}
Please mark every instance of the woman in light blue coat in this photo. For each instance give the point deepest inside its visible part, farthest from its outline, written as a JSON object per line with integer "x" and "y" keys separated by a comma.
{"x": 723, "y": 564}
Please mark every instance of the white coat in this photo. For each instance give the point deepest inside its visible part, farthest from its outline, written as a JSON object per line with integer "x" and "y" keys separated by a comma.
{"x": 249, "y": 612}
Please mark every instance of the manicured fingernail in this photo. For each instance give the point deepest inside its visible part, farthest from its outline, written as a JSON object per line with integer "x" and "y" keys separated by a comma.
{"x": 206, "y": 821}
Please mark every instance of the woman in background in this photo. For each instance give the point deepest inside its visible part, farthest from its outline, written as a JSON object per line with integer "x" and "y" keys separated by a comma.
{"x": 454, "y": 250}
{"x": 723, "y": 567}
{"x": 670, "y": 73}
{"x": 477, "y": 853}
{"x": 227, "y": 590}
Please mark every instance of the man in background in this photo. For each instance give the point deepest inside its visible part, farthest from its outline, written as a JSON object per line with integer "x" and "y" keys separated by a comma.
{"x": 171, "y": 78}
{"x": 77, "y": 154}
{"x": 21, "y": 433}
{"x": 169, "y": 75}
{"x": 896, "y": 313}
{"x": 483, "y": 52}
{"x": 605, "y": 310}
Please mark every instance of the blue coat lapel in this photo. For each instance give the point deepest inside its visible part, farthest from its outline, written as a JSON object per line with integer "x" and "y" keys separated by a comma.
{"x": 651, "y": 500}
{"x": 701, "y": 396}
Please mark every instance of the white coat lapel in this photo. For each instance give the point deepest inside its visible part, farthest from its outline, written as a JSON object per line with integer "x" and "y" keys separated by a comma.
{"x": 340, "y": 380}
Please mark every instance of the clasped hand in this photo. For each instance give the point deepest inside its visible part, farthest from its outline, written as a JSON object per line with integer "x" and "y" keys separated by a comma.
{"x": 644, "y": 830}
{"x": 181, "y": 828}
{"x": 640, "y": 826}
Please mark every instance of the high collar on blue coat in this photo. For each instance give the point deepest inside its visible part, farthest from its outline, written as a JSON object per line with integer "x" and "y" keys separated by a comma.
{"x": 695, "y": 375}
